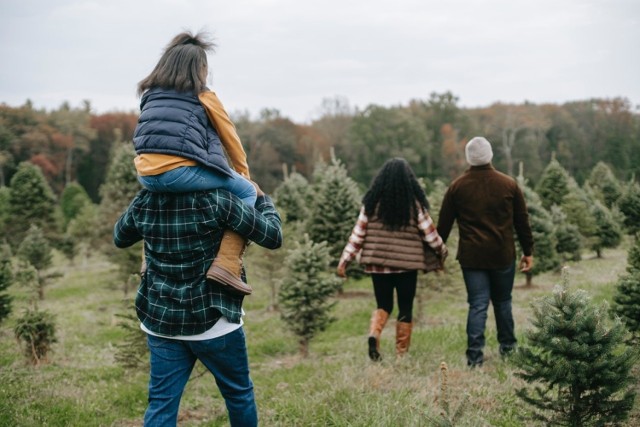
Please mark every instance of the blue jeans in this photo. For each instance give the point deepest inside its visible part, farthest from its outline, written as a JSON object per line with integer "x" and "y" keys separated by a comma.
{"x": 484, "y": 286}
{"x": 172, "y": 362}
{"x": 199, "y": 178}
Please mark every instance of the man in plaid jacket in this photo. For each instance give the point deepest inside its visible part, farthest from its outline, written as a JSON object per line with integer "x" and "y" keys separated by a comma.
{"x": 186, "y": 317}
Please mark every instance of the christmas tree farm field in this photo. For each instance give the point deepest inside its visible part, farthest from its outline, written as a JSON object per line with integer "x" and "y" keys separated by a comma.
{"x": 83, "y": 384}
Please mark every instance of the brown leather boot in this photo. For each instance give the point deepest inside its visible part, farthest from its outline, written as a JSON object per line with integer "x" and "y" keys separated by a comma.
{"x": 378, "y": 320}
{"x": 403, "y": 337}
{"x": 227, "y": 265}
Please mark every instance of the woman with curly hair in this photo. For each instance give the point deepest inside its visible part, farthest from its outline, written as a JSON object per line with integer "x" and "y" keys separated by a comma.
{"x": 390, "y": 233}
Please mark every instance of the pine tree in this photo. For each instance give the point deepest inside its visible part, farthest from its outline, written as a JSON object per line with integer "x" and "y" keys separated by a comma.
{"x": 569, "y": 239}
{"x": 73, "y": 199}
{"x": 31, "y": 202}
{"x": 35, "y": 251}
{"x": 633, "y": 259}
{"x": 335, "y": 209}
{"x": 37, "y": 331}
{"x": 132, "y": 352}
{"x": 607, "y": 232}
{"x": 553, "y": 185}
{"x": 435, "y": 197}
{"x": 577, "y": 206}
{"x": 577, "y": 362}
{"x": 4, "y": 209}
{"x": 542, "y": 230}
{"x": 439, "y": 280}
{"x": 6, "y": 279}
{"x": 629, "y": 204}
{"x": 83, "y": 230}
{"x": 120, "y": 187}
{"x": 293, "y": 197}
{"x": 627, "y": 295}
{"x": 306, "y": 289}
{"x": 606, "y": 186}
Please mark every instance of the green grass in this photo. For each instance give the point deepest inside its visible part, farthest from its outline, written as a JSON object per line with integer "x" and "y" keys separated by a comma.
{"x": 82, "y": 385}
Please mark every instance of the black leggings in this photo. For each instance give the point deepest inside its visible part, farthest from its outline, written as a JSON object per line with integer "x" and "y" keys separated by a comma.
{"x": 405, "y": 286}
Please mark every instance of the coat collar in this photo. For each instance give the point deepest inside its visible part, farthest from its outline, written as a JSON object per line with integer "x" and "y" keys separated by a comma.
{"x": 488, "y": 166}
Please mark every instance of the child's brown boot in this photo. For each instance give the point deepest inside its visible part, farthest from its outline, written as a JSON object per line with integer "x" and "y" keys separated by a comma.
{"x": 227, "y": 265}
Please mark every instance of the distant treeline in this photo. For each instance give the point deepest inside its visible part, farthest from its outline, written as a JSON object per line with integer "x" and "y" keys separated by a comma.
{"x": 74, "y": 144}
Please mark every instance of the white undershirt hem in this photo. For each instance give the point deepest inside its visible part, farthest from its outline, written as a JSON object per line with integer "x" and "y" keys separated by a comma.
{"x": 221, "y": 327}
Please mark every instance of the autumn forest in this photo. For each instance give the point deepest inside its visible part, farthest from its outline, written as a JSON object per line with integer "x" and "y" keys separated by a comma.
{"x": 73, "y": 144}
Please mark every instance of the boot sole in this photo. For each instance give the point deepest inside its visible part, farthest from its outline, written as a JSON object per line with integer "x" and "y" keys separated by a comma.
{"x": 228, "y": 281}
{"x": 373, "y": 351}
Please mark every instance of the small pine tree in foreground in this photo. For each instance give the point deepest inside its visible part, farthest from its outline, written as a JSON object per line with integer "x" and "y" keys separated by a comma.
{"x": 448, "y": 417}
{"x": 577, "y": 362}
{"x": 306, "y": 289}
{"x": 36, "y": 330}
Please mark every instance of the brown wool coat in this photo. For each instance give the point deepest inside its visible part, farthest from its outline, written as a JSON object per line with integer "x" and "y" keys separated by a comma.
{"x": 488, "y": 206}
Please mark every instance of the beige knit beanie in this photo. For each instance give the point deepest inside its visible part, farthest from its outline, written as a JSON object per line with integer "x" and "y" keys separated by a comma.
{"x": 478, "y": 151}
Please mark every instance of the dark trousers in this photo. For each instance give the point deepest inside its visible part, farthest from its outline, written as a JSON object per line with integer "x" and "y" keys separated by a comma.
{"x": 484, "y": 286}
{"x": 404, "y": 285}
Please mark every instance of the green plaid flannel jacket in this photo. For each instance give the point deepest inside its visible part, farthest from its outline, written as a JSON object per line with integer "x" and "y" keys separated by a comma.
{"x": 182, "y": 233}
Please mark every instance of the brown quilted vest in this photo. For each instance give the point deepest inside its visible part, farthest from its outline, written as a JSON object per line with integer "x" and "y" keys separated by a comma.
{"x": 402, "y": 249}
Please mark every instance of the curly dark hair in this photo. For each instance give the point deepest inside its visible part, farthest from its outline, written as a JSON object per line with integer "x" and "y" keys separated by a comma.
{"x": 183, "y": 65}
{"x": 393, "y": 194}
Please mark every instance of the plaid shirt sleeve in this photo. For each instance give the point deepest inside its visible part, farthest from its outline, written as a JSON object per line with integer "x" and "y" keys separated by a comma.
{"x": 125, "y": 232}
{"x": 261, "y": 224}
{"x": 356, "y": 239}
{"x": 429, "y": 231}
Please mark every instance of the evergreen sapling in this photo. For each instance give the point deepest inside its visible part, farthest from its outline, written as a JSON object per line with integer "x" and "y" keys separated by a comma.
{"x": 576, "y": 362}
{"x": 306, "y": 290}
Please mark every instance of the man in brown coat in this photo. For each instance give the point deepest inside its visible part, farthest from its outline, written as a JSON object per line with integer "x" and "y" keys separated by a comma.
{"x": 488, "y": 206}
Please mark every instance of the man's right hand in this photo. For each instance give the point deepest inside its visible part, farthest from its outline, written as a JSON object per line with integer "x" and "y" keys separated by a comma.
{"x": 526, "y": 263}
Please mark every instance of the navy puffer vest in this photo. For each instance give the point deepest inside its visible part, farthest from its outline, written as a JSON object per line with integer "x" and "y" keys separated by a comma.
{"x": 176, "y": 123}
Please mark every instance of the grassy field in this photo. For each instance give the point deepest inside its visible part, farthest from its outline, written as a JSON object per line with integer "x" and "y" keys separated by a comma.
{"x": 82, "y": 385}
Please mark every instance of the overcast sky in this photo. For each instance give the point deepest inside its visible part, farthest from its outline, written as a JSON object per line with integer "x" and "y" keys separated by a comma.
{"x": 291, "y": 54}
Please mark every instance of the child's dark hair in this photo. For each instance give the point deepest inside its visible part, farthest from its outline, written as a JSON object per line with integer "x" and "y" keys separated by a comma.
{"x": 183, "y": 65}
{"x": 393, "y": 195}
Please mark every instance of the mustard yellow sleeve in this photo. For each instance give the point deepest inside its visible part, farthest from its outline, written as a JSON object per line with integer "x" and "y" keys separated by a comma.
{"x": 226, "y": 130}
